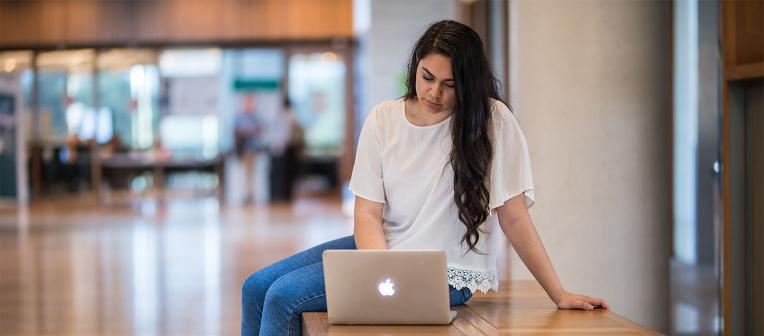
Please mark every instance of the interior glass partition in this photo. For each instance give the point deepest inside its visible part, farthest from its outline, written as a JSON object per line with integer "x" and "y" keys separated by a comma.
{"x": 128, "y": 88}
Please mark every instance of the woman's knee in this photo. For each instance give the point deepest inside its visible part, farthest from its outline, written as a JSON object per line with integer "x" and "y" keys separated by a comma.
{"x": 255, "y": 287}
{"x": 278, "y": 296}
{"x": 284, "y": 305}
{"x": 294, "y": 290}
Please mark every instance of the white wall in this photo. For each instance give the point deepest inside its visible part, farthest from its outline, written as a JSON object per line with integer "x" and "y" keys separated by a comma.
{"x": 590, "y": 87}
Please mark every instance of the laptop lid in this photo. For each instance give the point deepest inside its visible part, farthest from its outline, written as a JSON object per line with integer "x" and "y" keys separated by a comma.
{"x": 386, "y": 287}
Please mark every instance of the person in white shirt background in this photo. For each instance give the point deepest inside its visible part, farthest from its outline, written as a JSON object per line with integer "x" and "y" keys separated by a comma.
{"x": 444, "y": 167}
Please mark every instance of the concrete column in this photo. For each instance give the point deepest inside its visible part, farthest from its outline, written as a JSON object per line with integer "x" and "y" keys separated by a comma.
{"x": 590, "y": 86}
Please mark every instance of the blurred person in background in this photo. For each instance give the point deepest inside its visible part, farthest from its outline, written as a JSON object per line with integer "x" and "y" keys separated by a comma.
{"x": 286, "y": 151}
{"x": 248, "y": 142}
{"x": 444, "y": 167}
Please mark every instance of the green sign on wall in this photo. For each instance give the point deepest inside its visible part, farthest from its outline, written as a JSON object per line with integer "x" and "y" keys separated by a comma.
{"x": 241, "y": 84}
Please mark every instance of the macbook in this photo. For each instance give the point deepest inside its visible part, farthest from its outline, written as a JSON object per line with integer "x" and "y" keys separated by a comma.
{"x": 386, "y": 287}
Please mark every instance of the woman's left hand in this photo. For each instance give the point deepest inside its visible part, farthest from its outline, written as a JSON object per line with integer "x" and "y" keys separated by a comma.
{"x": 578, "y": 301}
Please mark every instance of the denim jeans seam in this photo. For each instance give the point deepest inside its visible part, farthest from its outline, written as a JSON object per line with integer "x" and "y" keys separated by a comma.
{"x": 291, "y": 311}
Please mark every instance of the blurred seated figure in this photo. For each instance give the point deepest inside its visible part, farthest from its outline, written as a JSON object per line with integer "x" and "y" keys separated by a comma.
{"x": 115, "y": 145}
{"x": 74, "y": 161}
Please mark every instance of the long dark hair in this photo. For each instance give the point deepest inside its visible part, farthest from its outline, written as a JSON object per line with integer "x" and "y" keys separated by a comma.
{"x": 472, "y": 148}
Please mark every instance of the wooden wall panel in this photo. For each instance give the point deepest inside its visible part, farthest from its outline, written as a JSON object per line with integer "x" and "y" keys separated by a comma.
{"x": 262, "y": 19}
{"x": 117, "y": 21}
{"x": 14, "y": 22}
{"x": 239, "y": 22}
{"x": 195, "y": 20}
{"x": 309, "y": 17}
{"x": 301, "y": 13}
{"x": 51, "y": 21}
{"x": 83, "y": 24}
{"x": 749, "y": 31}
{"x": 150, "y": 19}
{"x": 58, "y": 23}
{"x": 743, "y": 39}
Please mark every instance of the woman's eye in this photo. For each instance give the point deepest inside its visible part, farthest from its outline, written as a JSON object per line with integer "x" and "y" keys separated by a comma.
{"x": 450, "y": 86}
{"x": 427, "y": 78}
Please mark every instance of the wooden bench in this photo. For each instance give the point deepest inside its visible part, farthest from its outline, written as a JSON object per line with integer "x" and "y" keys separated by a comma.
{"x": 520, "y": 307}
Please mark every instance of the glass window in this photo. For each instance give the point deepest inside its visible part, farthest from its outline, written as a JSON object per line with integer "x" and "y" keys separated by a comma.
{"x": 317, "y": 90}
{"x": 128, "y": 81}
{"x": 16, "y": 69}
{"x": 254, "y": 78}
{"x": 189, "y": 99}
{"x": 65, "y": 92}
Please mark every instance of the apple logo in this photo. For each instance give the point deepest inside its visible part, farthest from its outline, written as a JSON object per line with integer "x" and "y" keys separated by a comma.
{"x": 386, "y": 288}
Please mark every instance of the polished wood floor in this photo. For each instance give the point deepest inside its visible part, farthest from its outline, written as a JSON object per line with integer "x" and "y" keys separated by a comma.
{"x": 150, "y": 266}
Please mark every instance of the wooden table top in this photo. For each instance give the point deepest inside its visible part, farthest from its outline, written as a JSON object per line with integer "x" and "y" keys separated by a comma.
{"x": 520, "y": 307}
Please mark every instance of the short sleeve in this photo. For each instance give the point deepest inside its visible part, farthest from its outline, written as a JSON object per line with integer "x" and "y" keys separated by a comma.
{"x": 366, "y": 179}
{"x": 511, "y": 167}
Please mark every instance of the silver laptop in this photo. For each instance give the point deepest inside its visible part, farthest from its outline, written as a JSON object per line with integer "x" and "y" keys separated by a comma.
{"x": 387, "y": 287}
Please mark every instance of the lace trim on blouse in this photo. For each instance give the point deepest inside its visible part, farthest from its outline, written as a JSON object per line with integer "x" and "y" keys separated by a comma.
{"x": 460, "y": 277}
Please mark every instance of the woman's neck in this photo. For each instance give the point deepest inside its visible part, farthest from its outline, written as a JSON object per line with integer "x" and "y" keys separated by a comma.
{"x": 419, "y": 116}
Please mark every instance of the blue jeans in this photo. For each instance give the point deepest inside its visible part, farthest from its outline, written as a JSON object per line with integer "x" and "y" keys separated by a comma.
{"x": 274, "y": 298}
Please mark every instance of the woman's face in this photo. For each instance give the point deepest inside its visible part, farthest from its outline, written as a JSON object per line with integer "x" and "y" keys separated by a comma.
{"x": 435, "y": 86}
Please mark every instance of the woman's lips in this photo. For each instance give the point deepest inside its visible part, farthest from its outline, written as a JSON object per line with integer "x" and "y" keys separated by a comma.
{"x": 431, "y": 104}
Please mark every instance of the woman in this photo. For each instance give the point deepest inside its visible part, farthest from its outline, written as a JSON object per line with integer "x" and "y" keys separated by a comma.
{"x": 444, "y": 167}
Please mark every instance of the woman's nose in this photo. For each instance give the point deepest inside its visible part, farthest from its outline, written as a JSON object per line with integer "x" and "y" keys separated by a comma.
{"x": 435, "y": 92}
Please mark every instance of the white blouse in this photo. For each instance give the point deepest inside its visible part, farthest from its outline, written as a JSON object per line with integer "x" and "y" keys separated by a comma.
{"x": 406, "y": 167}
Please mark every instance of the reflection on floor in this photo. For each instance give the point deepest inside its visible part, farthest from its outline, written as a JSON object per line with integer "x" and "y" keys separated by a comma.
{"x": 145, "y": 267}
{"x": 695, "y": 302}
